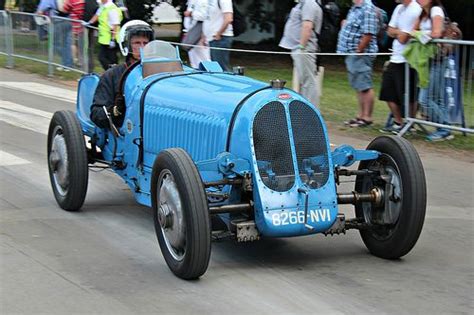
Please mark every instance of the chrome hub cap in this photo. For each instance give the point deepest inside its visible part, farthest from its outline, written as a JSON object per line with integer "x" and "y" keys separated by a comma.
{"x": 165, "y": 216}
{"x": 58, "y": 162}
{"x": 170, "y": 215}
{"x": 394, "y": 204}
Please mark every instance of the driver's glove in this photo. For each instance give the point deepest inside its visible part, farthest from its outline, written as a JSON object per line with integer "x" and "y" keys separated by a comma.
{"x": 118, "y": 109}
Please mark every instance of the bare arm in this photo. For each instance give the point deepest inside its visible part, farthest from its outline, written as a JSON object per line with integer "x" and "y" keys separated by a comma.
{"x": 115, "y": 30}
{"x": 228, "y": 18}
{"x": 392, "y": 31}
{"x": 417, "y": 25}
{"x": 306, "y": 30}
{"x": 364, "y": 42}
{"x": 437, "y": 27}
{"x": 94, "y": 19}
{"x": 398, "y": 34}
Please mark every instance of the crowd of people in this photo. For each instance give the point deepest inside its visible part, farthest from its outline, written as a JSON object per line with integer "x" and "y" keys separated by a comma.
{"x": 209, "y": 31}
{"x": 412, "y": 20}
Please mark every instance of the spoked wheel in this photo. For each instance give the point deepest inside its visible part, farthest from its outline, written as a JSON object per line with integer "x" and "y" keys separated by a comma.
{"x": 396, "y": 223}
{"x": 181, "y": 214}
{"x": 67, "y": 160}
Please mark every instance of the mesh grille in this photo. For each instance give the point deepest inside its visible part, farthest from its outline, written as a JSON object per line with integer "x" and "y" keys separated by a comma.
{"x": 310, "y": 144}
{"x": 272, "y": 147}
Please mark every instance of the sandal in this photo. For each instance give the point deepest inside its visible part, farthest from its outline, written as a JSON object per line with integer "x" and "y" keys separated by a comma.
{"x": 361, "y": 123}
{"x": 352, "y": 121}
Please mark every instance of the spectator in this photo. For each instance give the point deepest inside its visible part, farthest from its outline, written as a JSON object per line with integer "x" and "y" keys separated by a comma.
{"x": 109, "y": 17}
{"x": 75, "y": 9}
{"x": 431, "y": 99}
{"x": 134, "y": 35}
{"x": 401, "y": 23}
{"x": 359, "y": 35}
{"x": 62, "y": 30}
{"x": 303, "y": 24}
{"x": 218, "y": 31}
{"x": 196, "y": 12}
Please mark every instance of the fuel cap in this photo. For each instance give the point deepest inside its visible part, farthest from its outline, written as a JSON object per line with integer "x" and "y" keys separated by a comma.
{"x": 278, "y": 84}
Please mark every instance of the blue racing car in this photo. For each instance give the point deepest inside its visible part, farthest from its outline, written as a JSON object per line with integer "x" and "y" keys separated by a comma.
{"x": 217, "y": 153}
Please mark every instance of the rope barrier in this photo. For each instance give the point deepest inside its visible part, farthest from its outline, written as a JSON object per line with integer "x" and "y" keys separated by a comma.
{"x": 280, "y": 52}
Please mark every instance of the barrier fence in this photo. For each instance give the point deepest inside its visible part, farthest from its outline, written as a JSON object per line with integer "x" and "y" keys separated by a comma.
{"x": 445, "y": 95}
{"x": 67, "y": 45}
{"x": 59, "y": 42}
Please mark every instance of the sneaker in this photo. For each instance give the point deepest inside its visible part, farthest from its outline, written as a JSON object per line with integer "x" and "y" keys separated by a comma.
{"x": 62, "y": 69}
{"x": 394, "y": 129}
{"x": 440, "y": 135}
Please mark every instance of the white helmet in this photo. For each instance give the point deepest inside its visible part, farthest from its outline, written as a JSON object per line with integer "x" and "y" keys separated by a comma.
{"x": 133, "y": 28}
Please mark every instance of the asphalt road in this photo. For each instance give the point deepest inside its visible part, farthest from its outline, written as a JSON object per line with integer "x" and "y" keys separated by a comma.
{"x": 106, "y": 260}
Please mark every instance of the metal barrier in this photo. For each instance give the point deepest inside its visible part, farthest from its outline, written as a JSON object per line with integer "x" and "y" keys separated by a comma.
{"x": 59, "y": 42}
{"x": 63, "y": 44}
{"x": 445, "y": 99}
{"x": 6, "y": 45}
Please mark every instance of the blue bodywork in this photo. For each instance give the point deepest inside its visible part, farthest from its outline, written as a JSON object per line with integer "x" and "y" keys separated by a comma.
{"x": 215, "y": 117}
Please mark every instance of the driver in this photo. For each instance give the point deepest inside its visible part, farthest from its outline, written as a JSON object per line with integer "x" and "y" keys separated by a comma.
{"x": 134, "y": 35}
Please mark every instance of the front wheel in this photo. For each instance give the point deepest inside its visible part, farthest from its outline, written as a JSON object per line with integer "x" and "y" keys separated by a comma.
{"x": 396, "y": 224}
{"x": 67, "y": 160}
{"x": 181, "y": 214}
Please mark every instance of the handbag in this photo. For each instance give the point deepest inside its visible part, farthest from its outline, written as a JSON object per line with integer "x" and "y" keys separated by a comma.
{"x": 193, "y": 36}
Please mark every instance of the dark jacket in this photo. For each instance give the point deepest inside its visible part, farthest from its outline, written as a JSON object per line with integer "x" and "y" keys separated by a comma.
{"x": 105, "y": 95}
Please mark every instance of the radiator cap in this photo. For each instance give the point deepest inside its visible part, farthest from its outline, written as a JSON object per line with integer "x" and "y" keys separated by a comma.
{"x": 277, "y": 83}
{"x": 239, "y": 70}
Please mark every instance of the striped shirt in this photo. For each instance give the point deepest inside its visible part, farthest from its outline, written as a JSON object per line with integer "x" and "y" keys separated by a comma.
{"x": 75, "y": 8}
{"x": 361, "y": 20}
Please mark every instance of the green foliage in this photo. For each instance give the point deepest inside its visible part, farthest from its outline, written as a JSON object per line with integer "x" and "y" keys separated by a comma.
{"x": 27, "y": 5}
{"x": 140, "y": 9}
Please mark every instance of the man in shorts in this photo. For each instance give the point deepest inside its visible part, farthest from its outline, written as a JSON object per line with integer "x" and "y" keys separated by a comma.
{"x": 359, "y": 35}
{"x": 401, "y": 24}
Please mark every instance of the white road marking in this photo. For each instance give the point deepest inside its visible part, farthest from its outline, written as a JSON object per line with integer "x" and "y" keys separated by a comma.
{"x": 42, "y": 90}
{"x": 7, "y": 159}
{"x": 25, "y": 117}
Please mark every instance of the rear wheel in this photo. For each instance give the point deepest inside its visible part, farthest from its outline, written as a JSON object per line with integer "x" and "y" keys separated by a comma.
{"x": 181, "y": 214}
{"x": 67, "y": 160}
{"x": 396, "y": 224}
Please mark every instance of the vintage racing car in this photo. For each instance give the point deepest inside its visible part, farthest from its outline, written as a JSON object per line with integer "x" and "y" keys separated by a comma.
{"x": 254, "y": 157}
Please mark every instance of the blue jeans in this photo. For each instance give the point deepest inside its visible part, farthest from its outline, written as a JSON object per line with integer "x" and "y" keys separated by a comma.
{"x": 63, "y": 41}
{"x": 431, "y": 99}
{"x": 221, "y": 56}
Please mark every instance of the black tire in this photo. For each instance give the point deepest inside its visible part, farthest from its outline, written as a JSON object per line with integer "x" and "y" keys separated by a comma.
{"x": 67, "y": 160}
{"x": 181, "y": 214}
{"x": 406, "y": 210}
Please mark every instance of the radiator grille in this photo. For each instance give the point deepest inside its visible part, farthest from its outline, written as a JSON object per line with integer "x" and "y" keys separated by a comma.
{"x": 272, "y": 147}
{"x": 310, "y": 144}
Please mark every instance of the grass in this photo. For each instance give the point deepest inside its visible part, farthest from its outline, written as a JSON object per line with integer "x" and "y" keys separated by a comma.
{"x": 338, "y": 102}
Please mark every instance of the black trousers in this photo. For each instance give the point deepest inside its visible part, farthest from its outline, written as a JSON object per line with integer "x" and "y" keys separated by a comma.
{"x": 108, "y": 56}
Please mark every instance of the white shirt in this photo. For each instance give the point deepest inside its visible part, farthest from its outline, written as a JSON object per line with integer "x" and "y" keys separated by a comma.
{"x": 425, "y": 24}
{"x": 198, "y": 9}
{"x": 403, "y": 18}
{"x": 216, "y": 18}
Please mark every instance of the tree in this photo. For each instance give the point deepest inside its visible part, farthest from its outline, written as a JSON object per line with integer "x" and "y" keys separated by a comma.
{"x": 140, "y": 9}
